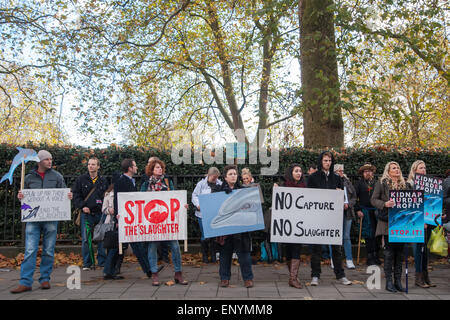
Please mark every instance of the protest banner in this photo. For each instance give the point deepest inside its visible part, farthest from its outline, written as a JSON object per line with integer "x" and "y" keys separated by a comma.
{"x": 45, "y": 205}
{"x": 406, "y": 219}
{"x": 152, "y": 216}
{"x": 302, "y": 215}
{"x": 239, "y": 211}
{"x": 433, "y": 197}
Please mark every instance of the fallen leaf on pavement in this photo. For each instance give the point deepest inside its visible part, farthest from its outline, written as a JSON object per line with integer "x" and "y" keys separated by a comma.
{"x": 170, "y": 283}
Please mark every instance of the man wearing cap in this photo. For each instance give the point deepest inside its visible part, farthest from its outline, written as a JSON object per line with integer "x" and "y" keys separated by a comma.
{"x": 91, "y": 210}
{"x": 364, "y": 209}
{"x": 44, "y": 177}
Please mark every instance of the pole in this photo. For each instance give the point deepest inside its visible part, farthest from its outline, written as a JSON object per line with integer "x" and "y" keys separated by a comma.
{"x": 406, "y": 266}
{"x": 359, "y": 239}
{"x": 185, "y": 245}
{"x": 22, "y": 178}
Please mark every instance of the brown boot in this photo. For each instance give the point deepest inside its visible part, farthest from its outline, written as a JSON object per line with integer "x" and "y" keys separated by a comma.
{"x": 419, "y": 280}
{"x": 179, "y": 278}
{"x": 293, "y": 281}
{"x": 427, "y": 280}
{"x": 21, "y": 289}
{"x": 155, "y": 279}
{"x": 45, "y": 285}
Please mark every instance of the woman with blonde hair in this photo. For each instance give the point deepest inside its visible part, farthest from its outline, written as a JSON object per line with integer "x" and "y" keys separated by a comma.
{"x": 247, "y": 178}
{"x": 420, "y": 249}
{"x": 391, "y": 179}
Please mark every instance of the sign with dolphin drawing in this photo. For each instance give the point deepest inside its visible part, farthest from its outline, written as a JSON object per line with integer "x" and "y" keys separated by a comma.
{"x": 45, "y": 205}
{"x": 237, "y": 212}
{"x": 406, "y": 220}
{"x": 434, "y": 194}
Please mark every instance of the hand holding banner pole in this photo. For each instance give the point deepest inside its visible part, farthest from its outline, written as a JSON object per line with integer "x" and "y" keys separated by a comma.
{"x": 22, "y": 177}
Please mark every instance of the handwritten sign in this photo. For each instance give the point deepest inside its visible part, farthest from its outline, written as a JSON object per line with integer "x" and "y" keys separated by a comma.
{"x": 406, "y": 219}
{"x": 303, "y": 215}
{"x": 45, "y": 205}
{"x": 152, "y": 216}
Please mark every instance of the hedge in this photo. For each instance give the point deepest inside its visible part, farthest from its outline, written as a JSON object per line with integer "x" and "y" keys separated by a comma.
{"x": 71, "y": 161}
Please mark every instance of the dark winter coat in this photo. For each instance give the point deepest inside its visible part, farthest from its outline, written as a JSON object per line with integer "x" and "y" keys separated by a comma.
{"x": 81, "y": 189}
{"x": 320, "y": 180}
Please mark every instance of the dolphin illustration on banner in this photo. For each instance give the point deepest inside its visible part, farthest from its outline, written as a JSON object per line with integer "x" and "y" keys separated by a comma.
{"x": 24, "y": 155}
{"x": 238, "y": 210}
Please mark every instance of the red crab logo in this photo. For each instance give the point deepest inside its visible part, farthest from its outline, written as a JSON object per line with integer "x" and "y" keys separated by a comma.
{"x": 155, "y": 211}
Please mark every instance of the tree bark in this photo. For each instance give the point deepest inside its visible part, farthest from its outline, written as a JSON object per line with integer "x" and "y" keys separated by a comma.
{"x": 322, "y": 117}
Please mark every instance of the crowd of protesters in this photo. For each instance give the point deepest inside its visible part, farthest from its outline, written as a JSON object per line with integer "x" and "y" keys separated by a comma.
{"x": 367, "y": 201}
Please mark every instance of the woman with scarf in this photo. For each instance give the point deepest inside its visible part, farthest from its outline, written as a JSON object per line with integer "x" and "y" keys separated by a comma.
{"x": 241, "y": 242}
{"x": 420, "y": 250}
{"x": 392, "y": 179}
{"x": 293, "y": 178}
{"x": 158, "y": 182}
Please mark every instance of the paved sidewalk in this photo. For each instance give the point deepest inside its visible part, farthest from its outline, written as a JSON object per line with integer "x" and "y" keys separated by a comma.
{"x": 271, "y": 282}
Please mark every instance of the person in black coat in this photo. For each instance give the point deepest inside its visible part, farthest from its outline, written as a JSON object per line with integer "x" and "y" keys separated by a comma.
{"x": 241, "y": 242}
{"x": 125, "y": 183}
{"x": 325, "y": 178}
{"x": 91, "y": 210}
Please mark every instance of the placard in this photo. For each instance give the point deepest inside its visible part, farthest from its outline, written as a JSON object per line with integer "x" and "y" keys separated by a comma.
{"x": 406, "y": 218}
{"x": 434, "y": 195}
{"x": 236, "y": 212}
{"x": 45, "y": 205}
{"x": 152, "y": 216}
{"x": 304, "y": 215}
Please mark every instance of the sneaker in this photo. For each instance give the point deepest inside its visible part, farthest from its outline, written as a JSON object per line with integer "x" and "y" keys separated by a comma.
{"x": 345, "y": 281}
{"x": 315, "y": 281}
{"x": 86, "y": 268}
{"x": 331, "y": 264}
{"x": 350, "y": 264}
{"x": 234, "y": 255}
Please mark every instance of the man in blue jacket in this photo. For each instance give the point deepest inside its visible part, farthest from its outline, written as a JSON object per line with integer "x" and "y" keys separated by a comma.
{"x": 44, "y": 177}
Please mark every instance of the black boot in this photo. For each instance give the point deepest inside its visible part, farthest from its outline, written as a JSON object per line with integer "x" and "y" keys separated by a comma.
{"x": 376, "y": 259}
{"x": 398, "y": 260}
{"x": 388, "y": 263}
{"x": 205, "y": 250}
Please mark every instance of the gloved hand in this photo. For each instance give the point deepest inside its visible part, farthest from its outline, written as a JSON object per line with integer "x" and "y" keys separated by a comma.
{"x": 228, "y": 190}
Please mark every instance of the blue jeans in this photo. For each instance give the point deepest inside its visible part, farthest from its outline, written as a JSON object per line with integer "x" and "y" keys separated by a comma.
{"x": 153, "y": 255}
{"x": 347, "y": 242}
{"x": 202, "y": 236}
{"x": 110, "y": 262}
{"x": 33, "y": 231}
{"x": 226, "y": 255}
{"x": 101, "y": 256}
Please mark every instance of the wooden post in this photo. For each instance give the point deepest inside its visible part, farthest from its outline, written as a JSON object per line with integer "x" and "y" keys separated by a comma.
{"x": 120, "y": 248}
{"x": 359, "y": 239}
{"x": 22, "y": 178}
{"x": 185, "y": 245}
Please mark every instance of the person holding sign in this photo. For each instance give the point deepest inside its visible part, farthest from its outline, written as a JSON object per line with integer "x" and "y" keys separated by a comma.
{"x": 205, "y": 186}
{"x": 325, "y": 178}
{"x": 293, "y": 178}
{"x": 421, "y": 250}
{"x": 240, "y": 242}
{"x": 391, "y": 179}
{"x": 44, "y": 177}
{"x": 157, "y": 182}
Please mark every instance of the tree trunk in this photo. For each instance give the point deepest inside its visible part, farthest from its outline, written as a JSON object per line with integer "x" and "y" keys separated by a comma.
{"x": 322, "y": 117}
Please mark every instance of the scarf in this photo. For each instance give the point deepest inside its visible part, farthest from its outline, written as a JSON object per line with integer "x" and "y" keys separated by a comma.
{"x": 156, "y": 184}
